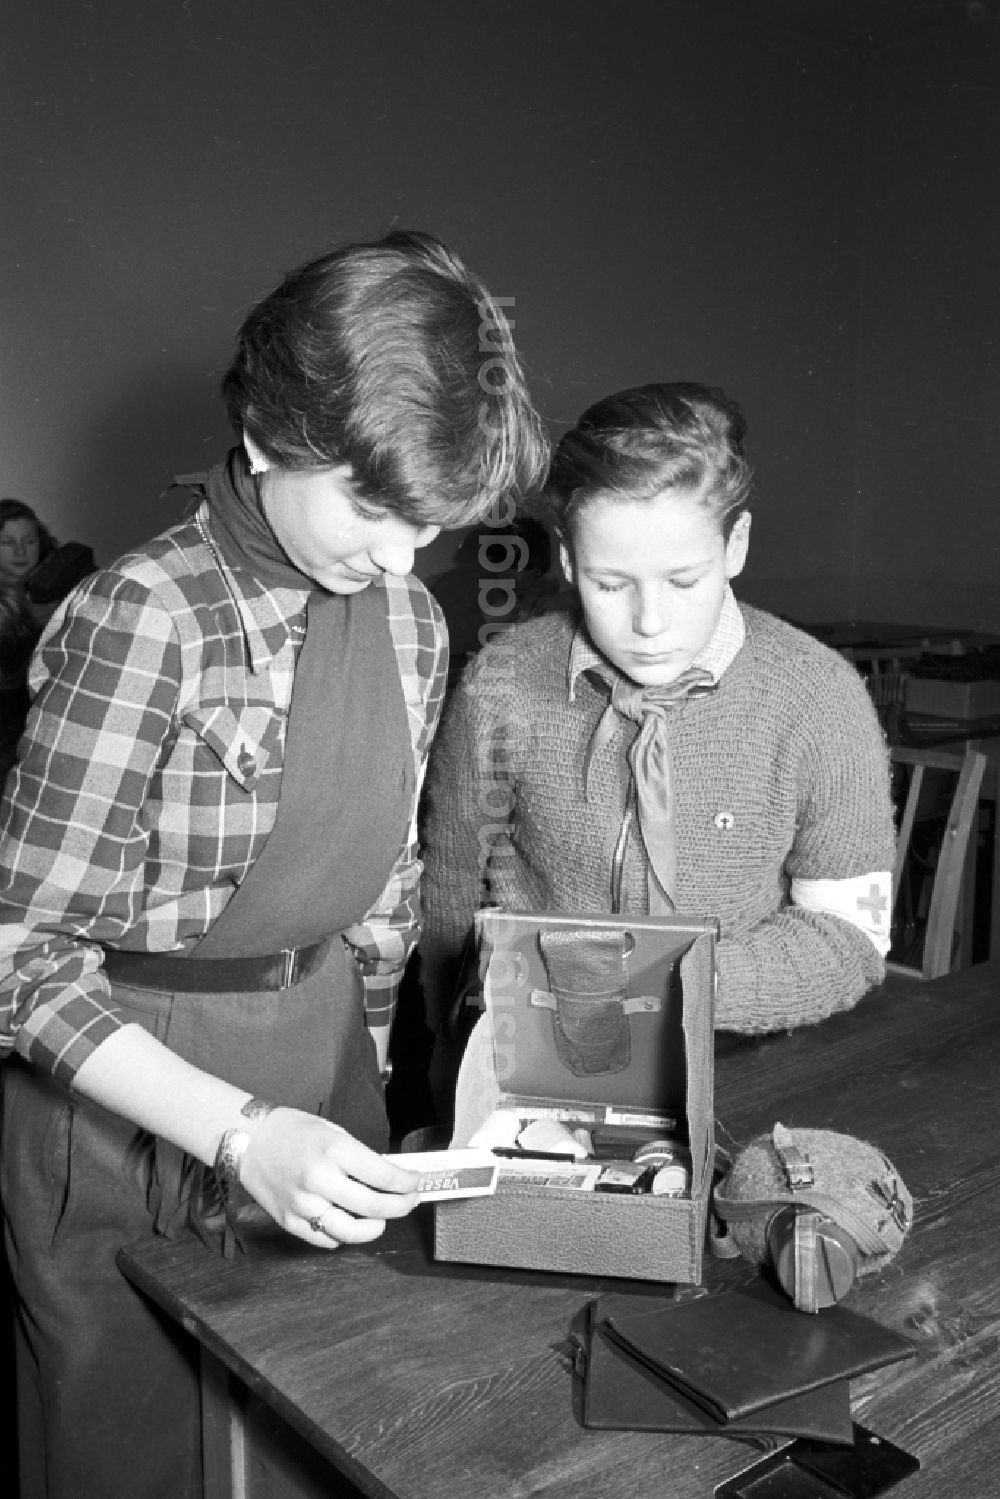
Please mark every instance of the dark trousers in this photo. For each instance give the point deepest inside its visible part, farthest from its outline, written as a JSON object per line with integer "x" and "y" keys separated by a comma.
{"x": 107, "y": 1387}
{"x": 8, "y": 1376}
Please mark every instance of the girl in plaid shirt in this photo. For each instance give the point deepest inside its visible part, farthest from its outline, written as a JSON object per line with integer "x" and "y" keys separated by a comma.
{"x": 208, "y": 859}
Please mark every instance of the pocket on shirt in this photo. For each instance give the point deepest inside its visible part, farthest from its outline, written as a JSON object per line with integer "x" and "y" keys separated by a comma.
{"x": 244, "y": 740}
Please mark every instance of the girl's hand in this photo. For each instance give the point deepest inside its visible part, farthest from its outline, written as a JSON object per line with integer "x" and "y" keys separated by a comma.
{"x": 322, "y": 1184}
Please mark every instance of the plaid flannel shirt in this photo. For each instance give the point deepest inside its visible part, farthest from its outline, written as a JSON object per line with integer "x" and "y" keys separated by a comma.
{"x": 149, "y": 776}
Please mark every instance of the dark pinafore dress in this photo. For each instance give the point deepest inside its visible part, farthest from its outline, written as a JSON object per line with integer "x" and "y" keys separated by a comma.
{"x": 108, "y": 1388}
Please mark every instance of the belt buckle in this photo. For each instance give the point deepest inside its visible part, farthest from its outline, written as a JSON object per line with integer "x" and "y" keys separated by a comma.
{"x": 289, "y": 966}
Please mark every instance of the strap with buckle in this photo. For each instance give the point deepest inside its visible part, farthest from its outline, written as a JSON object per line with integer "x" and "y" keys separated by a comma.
{"x": 173, "y": 973}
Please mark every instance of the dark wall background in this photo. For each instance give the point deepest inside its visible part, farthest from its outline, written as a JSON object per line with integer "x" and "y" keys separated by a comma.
{"x": 928, "y": 517}
{"x": 796, "y": 199}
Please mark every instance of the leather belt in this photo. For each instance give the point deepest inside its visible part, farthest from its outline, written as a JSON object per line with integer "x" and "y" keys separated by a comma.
{"x": 172, "y": 973}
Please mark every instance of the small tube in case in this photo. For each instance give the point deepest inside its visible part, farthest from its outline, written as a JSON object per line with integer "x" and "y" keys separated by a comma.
{"x": 625, "y": 1176}
{"x": 671, "y": 1175}
{"x": 671, "y": 1180}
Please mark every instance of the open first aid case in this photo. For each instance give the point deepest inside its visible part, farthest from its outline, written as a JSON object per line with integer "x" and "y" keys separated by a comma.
{"x": 605, "y": 1023}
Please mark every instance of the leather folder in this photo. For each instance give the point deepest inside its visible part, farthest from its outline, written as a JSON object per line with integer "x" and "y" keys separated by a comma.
{"x": 622, "y": 1394}
{"x": 738, "y": 1353}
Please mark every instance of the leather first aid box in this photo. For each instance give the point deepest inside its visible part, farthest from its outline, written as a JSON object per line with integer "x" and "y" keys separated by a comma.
{"x": 604, "y": 1023}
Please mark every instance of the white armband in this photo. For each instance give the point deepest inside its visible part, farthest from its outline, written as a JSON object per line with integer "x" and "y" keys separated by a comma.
{"x": 865, "y": 901}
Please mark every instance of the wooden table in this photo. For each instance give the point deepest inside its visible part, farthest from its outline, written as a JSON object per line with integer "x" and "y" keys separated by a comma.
{"x": 375, "y": 1370}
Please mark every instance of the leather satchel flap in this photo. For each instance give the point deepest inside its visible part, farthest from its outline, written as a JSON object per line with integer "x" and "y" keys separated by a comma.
{"x": 622, "y": 1394}
{"x": 738, "y": 1353}
{"x": 585, "y": 961}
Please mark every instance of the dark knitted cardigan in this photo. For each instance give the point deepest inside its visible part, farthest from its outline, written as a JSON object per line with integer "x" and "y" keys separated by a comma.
{"x": 781, "y": 772}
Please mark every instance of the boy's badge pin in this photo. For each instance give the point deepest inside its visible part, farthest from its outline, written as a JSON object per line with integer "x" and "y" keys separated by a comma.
{"x": 724, "y": 821}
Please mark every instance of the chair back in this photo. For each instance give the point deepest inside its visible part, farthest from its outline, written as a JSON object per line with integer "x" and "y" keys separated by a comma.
{"x": 966, "y": 774}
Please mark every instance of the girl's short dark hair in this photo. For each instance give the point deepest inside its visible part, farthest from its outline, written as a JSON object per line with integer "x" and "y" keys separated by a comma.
{"x": 394, "y": 358}
{"x": 638, "y": 442}
{"x": 13, "y": 509}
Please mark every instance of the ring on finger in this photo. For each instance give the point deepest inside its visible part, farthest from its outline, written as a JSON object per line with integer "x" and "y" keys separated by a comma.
{"x": 319, "y": 1227}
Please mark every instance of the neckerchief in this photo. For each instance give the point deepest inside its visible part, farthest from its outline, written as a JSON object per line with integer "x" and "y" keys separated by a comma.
{"x": 242, "y": 530}
{"x": 652, "y": 771}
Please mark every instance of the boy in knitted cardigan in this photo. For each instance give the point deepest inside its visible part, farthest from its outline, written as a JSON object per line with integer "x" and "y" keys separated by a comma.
{"x": 662, "y": 747}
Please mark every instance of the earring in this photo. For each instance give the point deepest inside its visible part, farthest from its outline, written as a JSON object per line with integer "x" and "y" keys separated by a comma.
{"x": 258, "y": 462}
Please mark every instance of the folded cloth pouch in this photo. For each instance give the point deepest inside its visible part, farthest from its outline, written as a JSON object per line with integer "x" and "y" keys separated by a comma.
{"x": 737, "y": 1353}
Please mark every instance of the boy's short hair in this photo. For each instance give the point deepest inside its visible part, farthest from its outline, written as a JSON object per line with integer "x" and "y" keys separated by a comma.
{"x": 394, "y": 358}
{"x": 636, "y": 443}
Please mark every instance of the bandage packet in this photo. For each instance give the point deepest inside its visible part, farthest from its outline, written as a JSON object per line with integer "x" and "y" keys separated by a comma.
{"x": 573, "y": 1176}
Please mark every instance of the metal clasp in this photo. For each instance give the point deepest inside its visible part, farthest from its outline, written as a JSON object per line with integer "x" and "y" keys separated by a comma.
{"x": 797, "y": 1166}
